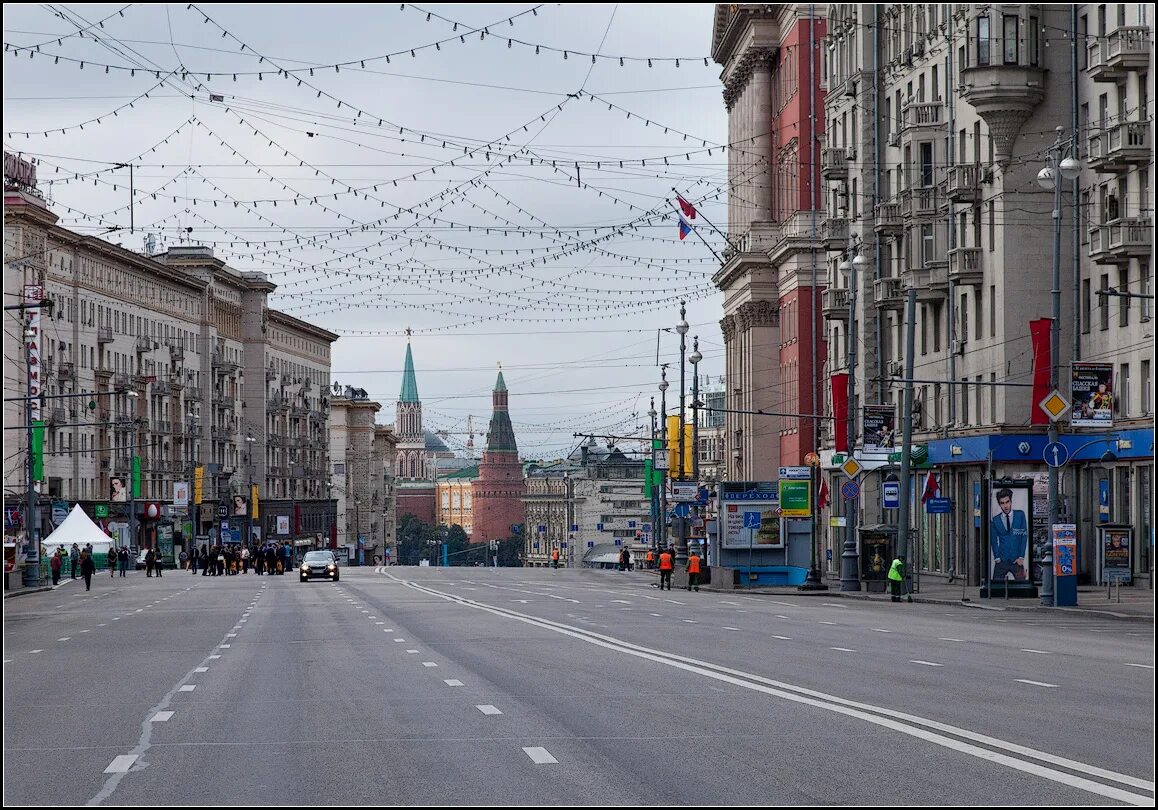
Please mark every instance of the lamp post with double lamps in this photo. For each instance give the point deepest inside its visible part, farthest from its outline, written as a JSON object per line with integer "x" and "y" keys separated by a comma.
{"x": 654, "y": 494}
{"x": 663, "y": 386}
{"x": 695, "y": 359}
{"x": 682, "y": 535}
{"x": 1063, "y": 165}
{"x": 849, "y": 575}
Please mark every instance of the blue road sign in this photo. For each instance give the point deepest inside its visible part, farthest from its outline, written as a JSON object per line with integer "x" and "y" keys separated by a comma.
{"x": 1056, "y": 454}
{"x": 828, "y": 554}
{"x": 891, "y": 494}
{"x": 574, "y": 527}
{"x": 850, "y": 489}
{"x": 939, "y": 506}
{"x": 681, "y": 510}
{"x": 751, "y": 520}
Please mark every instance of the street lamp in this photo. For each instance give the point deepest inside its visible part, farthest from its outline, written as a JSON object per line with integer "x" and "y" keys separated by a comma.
{"x": 1063, "y": 165}
{"x": 849, "y": 575}
{"x": 682, "y": 534}
{"x": 663, "y": 386}
{"x": 695, "y": 359}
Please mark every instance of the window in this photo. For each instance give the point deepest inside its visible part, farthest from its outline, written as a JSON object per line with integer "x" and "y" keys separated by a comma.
{"x": 977, "y": 311}
{"x": 982, "y": 40}
{"x": 1033, "y": 41}
{"x": 1146, "y": 387}
{"x": 992, "y": 398}
{"x": 964, "y": 400}
{"x": 1103, "y": 305}
{"x": 1145, "y": 289}
{"x": 964, "y": 310}
{"x": 978, "y": 393}
{"x": 1124, "y": 287}
{"x": 976, "y": 142}
{"x": 1123, "y": 398}
{"x": 928, "y": 244}
{"x": 992, "y": 310}
{"x": 924, "y": 329}
{"x": 992, "y": 228}
{"x": 937, "y": 404}
{"x": 926, "y": 165}
{"x": 936, "y": 327}
{"x": 1086, "y": 306}
{"x": 936, "y": 84}
{"x": 1009, "y": 38}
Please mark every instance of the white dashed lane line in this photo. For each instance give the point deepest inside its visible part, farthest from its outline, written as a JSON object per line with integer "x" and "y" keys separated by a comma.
{"x": 429, "y": 664}
{"x": 841, "y": 649}
{"x": 879, "y": 630}
{"x": 201, "y": 669}
{"x": 161, "y": 717}
{"x": 453, "y": 682}
{"x": 121, "y": 764}
{"x": 826, "y": 623}
{"x": 1141, "y": 666}
{"x": 1038, "y": 652}
{"x": 783, "y": 638}
{"x": 925, "y": 663}
{"x": 187, "y": 688}
{"x": 33, "y": 652}
{"x": 1037, "y": 683}
{"x": 66, "y": 638}
{"x": 540, "y": 756}
{"x": 488, "y": 709}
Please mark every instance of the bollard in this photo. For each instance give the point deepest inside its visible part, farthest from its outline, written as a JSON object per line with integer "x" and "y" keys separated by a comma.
{"x": 1047, "y": 583}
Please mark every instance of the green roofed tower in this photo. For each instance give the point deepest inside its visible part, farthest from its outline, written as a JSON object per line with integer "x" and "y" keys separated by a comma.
{"x": 498, "y": 491}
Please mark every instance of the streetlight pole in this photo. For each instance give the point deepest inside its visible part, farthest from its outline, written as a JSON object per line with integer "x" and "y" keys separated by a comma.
{"x": 663, "y": 386}
{"x": 682, "y": 532}
{"x": 1048, "y": 178}
{"x": 849, "y": 575}
{"x": 695, "y": 359}
{"x": 654, "y": 494}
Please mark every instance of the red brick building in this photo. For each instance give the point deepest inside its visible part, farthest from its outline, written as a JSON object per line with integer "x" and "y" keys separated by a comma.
{"x": 499, "y": 489}
{"x": 774, "y": 272}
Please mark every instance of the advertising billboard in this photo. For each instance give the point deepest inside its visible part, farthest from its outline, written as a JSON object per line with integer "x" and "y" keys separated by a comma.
{"x": 1092, "y": 395}
{"x": 738, "y": 498}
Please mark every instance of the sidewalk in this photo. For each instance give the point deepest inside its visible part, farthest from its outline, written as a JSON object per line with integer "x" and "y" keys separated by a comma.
{"x": 1137, "y": 603}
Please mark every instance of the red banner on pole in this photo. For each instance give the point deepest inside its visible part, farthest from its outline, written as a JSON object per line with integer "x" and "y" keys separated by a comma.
{"x": 1042, "y": 363}
{"x": 840, "y": 412}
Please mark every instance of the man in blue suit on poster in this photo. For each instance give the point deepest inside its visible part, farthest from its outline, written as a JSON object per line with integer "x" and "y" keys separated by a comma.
{"x": 1008, "y": 539}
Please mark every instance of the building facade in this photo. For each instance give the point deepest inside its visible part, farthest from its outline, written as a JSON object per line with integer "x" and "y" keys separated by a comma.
{"x": 455, "y": 501}
{"x": 774, "y": 269}
{"x": 172, "y": 352}
{"x": 939, "y": 120}
{"x": 419, "y": 451}
{"x": 363, "y": 455}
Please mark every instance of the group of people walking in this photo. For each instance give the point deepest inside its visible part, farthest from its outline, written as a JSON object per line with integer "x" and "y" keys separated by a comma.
{"x": 665, "y": 562}
{"x": 80, "y": 561}
{"x": 270, "y": 558}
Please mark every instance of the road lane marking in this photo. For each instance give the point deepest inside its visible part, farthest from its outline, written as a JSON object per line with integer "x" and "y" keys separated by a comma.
{"x": 620, "y": 602}
{"x": 379, "y": 622}
{"x": 488, "y": 709}
{"x": 783, "y": 638}
{"x": 1141, "y": 666}
{"x": 1039, "y": 652}
{"x": 833, "y": 604}
{"x": 778, "y": 616}
{"x": 189, "y": 687}
{"x": 787, "y": 604}
{"x": 225, "y": 646}
{"x": 453, "y": 682}
{"x": 657, "y": 615}
{"x": 33, "y": 652}
{"x": 826, "y": 622}
{"x": 411, "y": 652}
{"x": 66, "y": 638}
{"x": 879, "y": 630}
{"x": 841, "y": 649}
{"x": 201, "y": 669}
{"x": 215, "y": 656}
{"x": 399, "y": 640}
{"x": 950, "y": 639}
{"x": 925, "y": 663}
{"x": 102, "y": 624}
{"x": 161, "y": 717}
{"x": 674, "y": 602}
{"x": 690, "y": 621}
{"x": 429, "y": 664}
{"x": 1037, "y": 683}
{"x": 1014, "y": 756}
{"x": 231, "y": 635}
{"x": 731, "y": 628}
{"x": 540, "y": 756}
{"x": 122, "y": 763}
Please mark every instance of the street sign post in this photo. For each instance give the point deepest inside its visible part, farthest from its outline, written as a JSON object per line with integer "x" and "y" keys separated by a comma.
{"x": 939, "y": 506}
{"x": 1056, "y": 454}
{"x": 891, "y": 495}
{"x": 1054, "y": 405}
{"x": 851, "y": 467}
{"x": 850, "y": 489}
{"x": 795, "y": 473}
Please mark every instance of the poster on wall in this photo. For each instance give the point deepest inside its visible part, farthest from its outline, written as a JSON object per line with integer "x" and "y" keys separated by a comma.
{"x": 760, "y": 497}
{"x": 1092, "y": 395}
{"x": 1008, "y": 530}
{"x": 283, "y": 524}
{"x": 880, "y": 428}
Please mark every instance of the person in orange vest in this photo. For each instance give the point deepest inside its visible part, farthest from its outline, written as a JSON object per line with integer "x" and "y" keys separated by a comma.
{"x": 650, "y": 559}
{"x": 693, "y": 571}
{"x": 554, "y": 558}
{"x": 666, "y": 566}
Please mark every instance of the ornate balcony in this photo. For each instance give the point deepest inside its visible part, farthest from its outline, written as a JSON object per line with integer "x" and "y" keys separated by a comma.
{"x": 921, "y": 115}
{"x": 1004, "y": 96}
{"x": 965, "y": 266}
{"x": 931, "y": 281}
{"x": 1119, "y": 240}
{"x": 835, "y": 230}
{"x": 833, "y": 163}
{"x": 964, "y": 183}
{"x": 144, "y": 344}
{"x": 836, "y": 304}
{"x": 889, "y": 293}
{"x": 193, "y": 394}
{"x": 889, "y": 218}
{"x": 104, "y": 334}
{"x": 801, "y": 232}
{"x": 921, "y": 203}
{"x": 1120, "y": 146}
{"x": 1112, "y": 57}
{"x": 177, "y": 354}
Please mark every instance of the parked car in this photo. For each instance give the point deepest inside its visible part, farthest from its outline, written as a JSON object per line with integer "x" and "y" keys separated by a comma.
{"x": 317, "y": 564}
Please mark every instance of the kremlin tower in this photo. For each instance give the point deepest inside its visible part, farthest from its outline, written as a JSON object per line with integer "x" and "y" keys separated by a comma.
{"x": 499, "y": 489}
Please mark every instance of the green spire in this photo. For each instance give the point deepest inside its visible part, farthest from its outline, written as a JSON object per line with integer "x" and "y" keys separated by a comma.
{"x": 409, "y": 381}
{"x": 500, "y": 384}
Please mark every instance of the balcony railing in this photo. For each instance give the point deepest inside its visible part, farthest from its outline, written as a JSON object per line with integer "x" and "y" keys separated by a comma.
{"x": 836, "y": 304}
{"x": 193, "y": 393}
{"x": 835, "y": 230}
{"x": 1120, "y": 146}
{"x": 104, "y": 334}
{"x": 921, "y": 115}
{"x": 965, "y": 265}
{"x": 162, "y": 426}
{"x": 964, "y": 183}
{"x": 144, "y": 344}
{"x": 889, "y": 293}
{"x": 833, "y": 163}
{"x": 1127, "y": 48}
{"x": 1118, "y": 240}
{"x": 921, "y": 203}
{"x": 889, "y": 217}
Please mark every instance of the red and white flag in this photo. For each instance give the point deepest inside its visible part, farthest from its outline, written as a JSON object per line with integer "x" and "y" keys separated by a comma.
{"x": 822, "y": 496}
{"x": 931, "y": 488}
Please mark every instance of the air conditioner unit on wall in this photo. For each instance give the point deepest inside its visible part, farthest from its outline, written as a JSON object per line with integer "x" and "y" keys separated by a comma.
{"x": 959, "y": 347}
{"x": 894, "y": 139}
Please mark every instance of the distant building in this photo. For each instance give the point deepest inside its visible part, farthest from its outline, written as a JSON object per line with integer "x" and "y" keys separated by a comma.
{"x": 363, "y": 474}
{"x": 455, "y": 501}
{"x": 418, "y": 450}
{"x": 498, "y": 491}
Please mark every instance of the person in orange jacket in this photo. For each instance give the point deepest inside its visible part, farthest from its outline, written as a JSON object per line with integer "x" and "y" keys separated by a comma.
{"x": 693, "y": 571}
{"x": 650, "y": 559}
{"x": 555, "y": 558}
{"x": 666, "y": 566}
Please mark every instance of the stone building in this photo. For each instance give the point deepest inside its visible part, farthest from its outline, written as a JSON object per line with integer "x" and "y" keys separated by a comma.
{"x": 498, "y": 491}
{"x": 363, "y": 454}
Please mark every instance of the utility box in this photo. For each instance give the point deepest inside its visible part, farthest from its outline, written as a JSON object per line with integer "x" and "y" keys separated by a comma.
{"x": 878, "y": 543}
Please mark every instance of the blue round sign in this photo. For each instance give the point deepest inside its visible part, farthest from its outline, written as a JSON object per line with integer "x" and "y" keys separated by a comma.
{"x": 850, "y": 489}
{"x": 1056, "y": 454}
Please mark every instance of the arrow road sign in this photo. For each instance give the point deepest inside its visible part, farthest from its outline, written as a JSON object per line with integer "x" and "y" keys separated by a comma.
{"x": 1056, "y": 454}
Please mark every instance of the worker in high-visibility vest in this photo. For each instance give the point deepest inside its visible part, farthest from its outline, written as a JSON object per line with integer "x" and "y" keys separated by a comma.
{"x": 650, "y": 559}
{"x": 554, "y": 558}
{"x": 693, "y": 571}
{"x": 666, "y": 566}
{"x": 897, "y": 579}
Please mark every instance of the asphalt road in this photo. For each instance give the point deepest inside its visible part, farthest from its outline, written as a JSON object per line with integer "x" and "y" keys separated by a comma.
{"x": 534, "y": 687}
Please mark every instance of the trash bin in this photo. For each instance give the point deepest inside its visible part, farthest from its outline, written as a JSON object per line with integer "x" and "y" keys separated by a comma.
{"x": 878, "y": 544}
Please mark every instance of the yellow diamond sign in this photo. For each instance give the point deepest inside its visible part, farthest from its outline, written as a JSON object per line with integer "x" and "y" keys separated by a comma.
{"x": 1054, "y": 405}
{"x": 852, "y": 467}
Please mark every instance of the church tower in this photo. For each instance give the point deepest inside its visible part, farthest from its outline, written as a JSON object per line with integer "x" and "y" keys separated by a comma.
{"x": 498, "y": 491}
{"x": 411, "y": 462}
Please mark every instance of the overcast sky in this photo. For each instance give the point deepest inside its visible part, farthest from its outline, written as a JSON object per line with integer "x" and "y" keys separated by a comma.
{"x": 409, "y": 240}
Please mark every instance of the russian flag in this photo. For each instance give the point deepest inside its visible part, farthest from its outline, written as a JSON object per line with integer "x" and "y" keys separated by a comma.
{"x": 685, "y": 206}
{"x": 685, "y": 226}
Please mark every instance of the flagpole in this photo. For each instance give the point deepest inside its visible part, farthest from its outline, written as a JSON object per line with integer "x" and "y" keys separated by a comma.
{"x": 697, "y": 233}
{"x": 713, "y": 227}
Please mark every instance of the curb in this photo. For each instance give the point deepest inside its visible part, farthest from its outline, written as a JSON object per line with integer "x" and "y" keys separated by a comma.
{"x": 26, "y": 591}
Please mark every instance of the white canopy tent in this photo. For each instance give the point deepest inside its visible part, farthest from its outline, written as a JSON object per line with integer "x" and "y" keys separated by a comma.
{"x": 77, "y": 528}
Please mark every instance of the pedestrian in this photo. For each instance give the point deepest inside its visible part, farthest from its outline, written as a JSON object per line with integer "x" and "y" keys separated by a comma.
{"x": 287, "y": 563}
{"x": 87, "y": 569}
{"x": 183, "y": 559}
{"x": 123, "y": 559}
{"x": 270, "y": 560}
{"x": 555, "y": 558}
{"x": 149, "y": 558}
{"x": 220, "y": 562}
{"x": 193, "y": 558}
{"x": 693, "y": 571}
{"x": 56, "y": 563}
{"x": 666, "y": 566}
{"x": 112, "y": 560}
{"x": 897, "y": 579}
{"x": 158, "y": 563}
{"x": 74, "y": 558}
{"x": 258, "y": 561}
{"x": 205, "y": 561}
{"x": 245, "y": 560}
{"x": 650, "y": 559}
